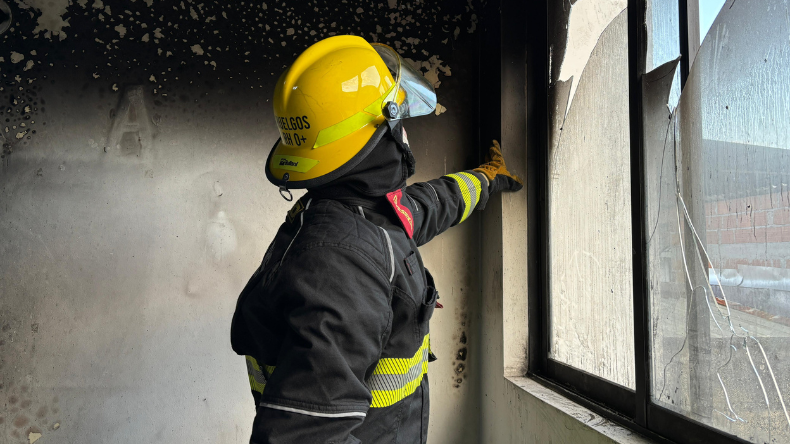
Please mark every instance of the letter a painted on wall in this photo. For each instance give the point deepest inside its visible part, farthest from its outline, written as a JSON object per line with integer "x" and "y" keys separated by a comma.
{"x": 131, "y": 132}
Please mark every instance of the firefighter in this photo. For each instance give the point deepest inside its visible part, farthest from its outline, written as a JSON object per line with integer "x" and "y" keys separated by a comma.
{"x": 334, "y": 324}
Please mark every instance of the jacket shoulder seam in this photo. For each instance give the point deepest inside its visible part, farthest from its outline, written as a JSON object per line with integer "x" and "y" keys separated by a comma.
{"x": 349, "y": 247}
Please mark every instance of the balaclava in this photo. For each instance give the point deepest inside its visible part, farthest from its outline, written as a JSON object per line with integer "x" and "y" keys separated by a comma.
{"x": 384, "y": 169}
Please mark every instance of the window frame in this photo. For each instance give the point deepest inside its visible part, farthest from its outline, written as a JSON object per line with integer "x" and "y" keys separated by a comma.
{"x": 631, "y": 408}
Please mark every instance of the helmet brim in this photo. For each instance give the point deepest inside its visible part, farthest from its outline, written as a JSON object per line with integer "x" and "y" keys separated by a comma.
{"x": 325, "y": 178}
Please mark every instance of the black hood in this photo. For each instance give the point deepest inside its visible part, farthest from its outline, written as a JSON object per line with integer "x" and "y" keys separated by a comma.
{"x": 384, "y": 169}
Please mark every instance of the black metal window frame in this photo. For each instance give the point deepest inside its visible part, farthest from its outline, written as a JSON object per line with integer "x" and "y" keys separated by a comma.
{"x": 631, "y": 408}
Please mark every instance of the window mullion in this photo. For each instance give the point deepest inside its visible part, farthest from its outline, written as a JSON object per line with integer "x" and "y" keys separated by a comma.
{"x": 636, "y": 66}
{"x": 685, "y": 59}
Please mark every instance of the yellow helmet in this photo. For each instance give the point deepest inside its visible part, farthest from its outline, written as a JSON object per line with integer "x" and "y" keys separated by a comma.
{"x": 329, "y": 104}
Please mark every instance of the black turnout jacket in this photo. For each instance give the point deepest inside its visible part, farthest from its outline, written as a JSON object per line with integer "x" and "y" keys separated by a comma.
{"x": 334, "y": 324}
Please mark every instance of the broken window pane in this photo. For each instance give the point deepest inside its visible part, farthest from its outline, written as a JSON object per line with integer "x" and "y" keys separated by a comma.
{"x": 708, "y": 10}
{"x": 590, "y": 211}
{"x": 718, "y": 225}
{"x": 662, "y": 21}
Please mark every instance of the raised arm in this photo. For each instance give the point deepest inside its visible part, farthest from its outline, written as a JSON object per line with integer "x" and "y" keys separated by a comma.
{"x": 449, "y": 200}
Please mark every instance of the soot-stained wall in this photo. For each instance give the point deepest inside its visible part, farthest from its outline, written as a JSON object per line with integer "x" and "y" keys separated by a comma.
{"x": 134, "y": 206}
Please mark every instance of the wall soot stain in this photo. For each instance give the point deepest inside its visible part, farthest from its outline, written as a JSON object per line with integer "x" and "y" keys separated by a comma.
{"x": 109, "y": 114}
{"x": 461, "y": 355}
{"x": 21, "y": 421}
{"x": 195, "y": 46}
{"x": 458, "y": 366}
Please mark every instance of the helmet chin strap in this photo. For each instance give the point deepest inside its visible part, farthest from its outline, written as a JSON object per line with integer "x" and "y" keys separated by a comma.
{"x": 284, "y": 191}
{"x": 396, "y": 129}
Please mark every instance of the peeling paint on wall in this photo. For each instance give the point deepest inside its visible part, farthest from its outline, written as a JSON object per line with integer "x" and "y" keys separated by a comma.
{"x": 111, "y": 123}
{"x": 51, "y": 21}
{"x": 190, "y": 43}
{"x": 431, "y": 69}
{"x": 29, "y": 416}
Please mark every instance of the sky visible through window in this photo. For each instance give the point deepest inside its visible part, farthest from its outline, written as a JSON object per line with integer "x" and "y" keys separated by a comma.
{"x": 708, "y": 10}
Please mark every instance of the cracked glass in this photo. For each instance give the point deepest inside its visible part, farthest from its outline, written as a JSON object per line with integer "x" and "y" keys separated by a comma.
{"x": 592, "y": 327}
{"x": 708, "y": 10}
{"x": 662, "y": 22}
{"x": 718, "y": 226}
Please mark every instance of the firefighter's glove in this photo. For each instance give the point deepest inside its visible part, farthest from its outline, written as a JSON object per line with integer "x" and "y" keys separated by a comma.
{"x": 499, "y": 178}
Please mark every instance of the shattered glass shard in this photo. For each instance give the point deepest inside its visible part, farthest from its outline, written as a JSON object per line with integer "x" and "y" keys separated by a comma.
{"x": 718, "y": 225}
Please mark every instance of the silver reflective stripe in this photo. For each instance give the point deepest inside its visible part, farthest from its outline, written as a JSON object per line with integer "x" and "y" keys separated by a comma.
{"x": 434, "y": 191}
{"x": 392, "y": 255}
{"x": 309, "y": 413}
{"x": 258, "y": 375}
{"x": 473, "y": 191}
{"x": 395, "y": 382}
{"x": 416, "y": 207}
{"x": 361, "y": 213}
{"x": 301, "y": 223}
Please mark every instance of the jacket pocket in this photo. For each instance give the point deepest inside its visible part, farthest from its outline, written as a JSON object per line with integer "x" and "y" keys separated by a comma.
{"x": 426, "y": 310}
{"x": 405, "y": 325}
{"x": 428, "y": 304}
{"x": 429, "y": 298}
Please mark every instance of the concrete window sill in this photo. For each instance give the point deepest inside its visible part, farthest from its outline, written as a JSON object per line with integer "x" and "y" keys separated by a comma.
{"x": 577, "y": 420}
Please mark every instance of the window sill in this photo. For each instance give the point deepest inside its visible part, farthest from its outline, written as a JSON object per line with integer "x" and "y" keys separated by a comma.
{"x": 573, "y": 414}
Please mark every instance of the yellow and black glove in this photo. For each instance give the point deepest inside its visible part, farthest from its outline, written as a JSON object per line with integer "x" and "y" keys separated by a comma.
{"x": 499, "y": 178}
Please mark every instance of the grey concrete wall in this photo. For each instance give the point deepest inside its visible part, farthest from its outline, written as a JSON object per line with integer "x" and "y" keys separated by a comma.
{"x": 134, "y": 207}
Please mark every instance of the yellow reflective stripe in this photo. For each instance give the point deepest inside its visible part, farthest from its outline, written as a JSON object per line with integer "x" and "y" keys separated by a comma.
{"x": 353, "y": 123}
{"x": 386, "y": 398}
{"x": 396, "y": 378}
{"x": 400, "y": 366}
{"x": 255, "y": 385}
{"x": 257, "y": 375}
{"x": 344, "y": 128}
{"x": 375, "y": 107}
{"x": 393, "y": 379}
{"x": 470, "y": 188}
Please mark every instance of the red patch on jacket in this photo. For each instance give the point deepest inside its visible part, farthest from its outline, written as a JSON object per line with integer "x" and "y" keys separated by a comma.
{"x": 404, "y": 214}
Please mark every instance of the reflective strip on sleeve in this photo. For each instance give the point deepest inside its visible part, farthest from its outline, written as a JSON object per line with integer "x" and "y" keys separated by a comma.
{"x": 258, "y": 376}
{"x": 470, "y": 189}
{"x": 396, "y": 378}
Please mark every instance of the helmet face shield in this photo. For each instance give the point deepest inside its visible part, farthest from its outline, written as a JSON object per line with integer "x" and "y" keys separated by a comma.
{"x": 418, "y": 95}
